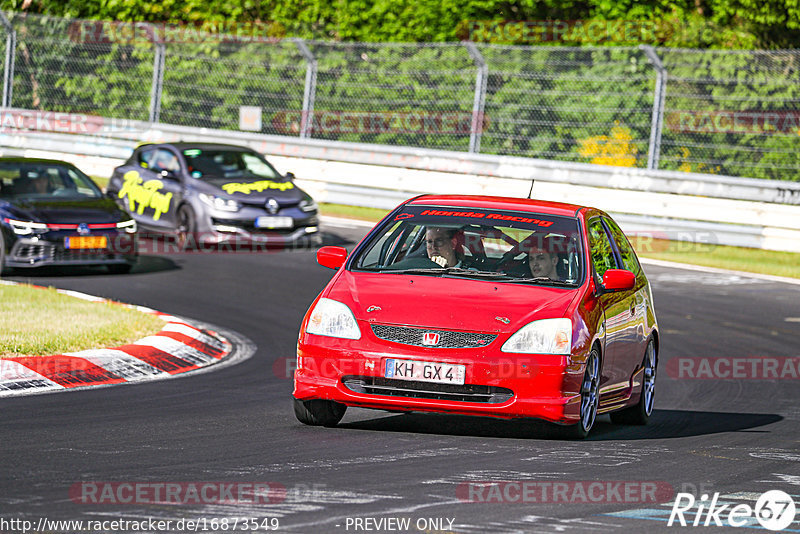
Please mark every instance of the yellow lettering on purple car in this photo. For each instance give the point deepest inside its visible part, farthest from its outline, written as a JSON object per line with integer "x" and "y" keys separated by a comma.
{"x": 259, "y": 186}
{"x": 146, "y": 194}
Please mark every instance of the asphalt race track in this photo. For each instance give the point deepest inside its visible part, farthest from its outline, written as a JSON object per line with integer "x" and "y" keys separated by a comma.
{"x": 739, "y": 436}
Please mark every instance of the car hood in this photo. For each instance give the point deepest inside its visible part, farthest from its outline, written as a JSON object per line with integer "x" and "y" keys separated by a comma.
{"x": 66, "y": 211}
{"x": 251, "y": 190}
{"x": 448, "y": 303}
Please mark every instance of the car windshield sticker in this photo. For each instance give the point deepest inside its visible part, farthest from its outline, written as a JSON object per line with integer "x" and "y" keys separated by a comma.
{"x": 194, "y": 152}
{"x": 259, "y": 186}
{"x": 479, "y": 215}
{"x": 145, "y": 194}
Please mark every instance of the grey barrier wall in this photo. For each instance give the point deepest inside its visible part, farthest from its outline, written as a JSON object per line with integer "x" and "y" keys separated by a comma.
{"x": 734, "y": 113}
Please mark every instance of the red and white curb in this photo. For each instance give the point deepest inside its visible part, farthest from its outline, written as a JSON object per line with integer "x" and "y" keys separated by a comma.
{"x": 180, "y": 347}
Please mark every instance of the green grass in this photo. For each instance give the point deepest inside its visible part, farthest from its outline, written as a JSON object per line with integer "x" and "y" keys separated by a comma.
{"x": 719, "y": 256}
{"x": 353, "y": 212}
{"x": 751, "y": 260}
{"x": 40, "y": 322}
{"x": 101, "y": 181}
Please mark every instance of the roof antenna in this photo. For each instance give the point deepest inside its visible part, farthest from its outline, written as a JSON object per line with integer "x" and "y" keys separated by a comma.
{"x": 530, "y": 193}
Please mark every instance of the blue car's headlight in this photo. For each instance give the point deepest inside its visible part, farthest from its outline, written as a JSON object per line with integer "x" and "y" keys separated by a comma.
{"x": 128, "y": 226}
{"x": 25, "y": 227}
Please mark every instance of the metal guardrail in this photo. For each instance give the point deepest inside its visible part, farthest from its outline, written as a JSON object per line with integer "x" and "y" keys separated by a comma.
{"x": 727, "y": 210}
{"x": 118, "y": 138}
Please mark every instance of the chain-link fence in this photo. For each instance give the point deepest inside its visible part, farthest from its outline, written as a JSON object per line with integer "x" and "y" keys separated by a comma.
{"x": 723, "y": 112}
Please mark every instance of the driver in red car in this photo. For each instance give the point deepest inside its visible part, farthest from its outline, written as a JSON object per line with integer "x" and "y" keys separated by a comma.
{"x": 442, "y": 247}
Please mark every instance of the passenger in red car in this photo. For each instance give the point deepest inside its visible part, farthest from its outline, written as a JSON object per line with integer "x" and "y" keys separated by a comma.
{"x": 543, "y": 264}
{"x": 543, "y": 258}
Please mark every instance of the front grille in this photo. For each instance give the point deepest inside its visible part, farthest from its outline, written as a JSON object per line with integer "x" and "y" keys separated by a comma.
{"x": 448, "y": 339}
{"x": 390, "y": 387}
{"x": 87, "y": 255}
{"x": 27, "y": 252}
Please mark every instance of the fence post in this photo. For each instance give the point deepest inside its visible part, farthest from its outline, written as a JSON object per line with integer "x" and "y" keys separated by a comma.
{"x": 479, "y": 100}
{"x": 657, "y": 121}
{"x": 158, "y": 81}
{"x": 310, "y": 89}
{"x": 8, "y": 70}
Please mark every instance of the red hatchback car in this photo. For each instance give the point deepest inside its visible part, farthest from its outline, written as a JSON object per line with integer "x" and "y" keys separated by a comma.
{"x": 478, "y": 305}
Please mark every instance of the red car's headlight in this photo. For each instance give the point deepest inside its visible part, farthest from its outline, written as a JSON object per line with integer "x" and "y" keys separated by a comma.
{"x": 545, "y": 336}
{"x": 333, "y": 319}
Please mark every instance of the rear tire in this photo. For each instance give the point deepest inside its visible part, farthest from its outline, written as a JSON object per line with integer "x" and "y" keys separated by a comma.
{"x": 640, "y": 413}
{"x": 319, "y": 412}
{"x": 590, "y": 398}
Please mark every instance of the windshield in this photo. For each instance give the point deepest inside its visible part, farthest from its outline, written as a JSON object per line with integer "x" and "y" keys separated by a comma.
{"x": 34, "y": 180}
{"x": 229, "y": 164}
{"x": 506, "y": 246}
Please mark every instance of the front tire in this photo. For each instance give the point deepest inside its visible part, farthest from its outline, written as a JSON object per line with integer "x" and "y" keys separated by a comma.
{"x": 641, "y": 412}
{"x": 187, "y": 228}
{"x": 319, "y": 412}
{"x": 2, "y": 254}
{"x": 590, "y": 397}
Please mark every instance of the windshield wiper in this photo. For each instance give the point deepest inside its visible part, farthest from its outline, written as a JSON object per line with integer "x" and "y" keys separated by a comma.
{"x": 474, "y": 273}
{"x": 438, "y": 271}
{"x": 543, "y": 280}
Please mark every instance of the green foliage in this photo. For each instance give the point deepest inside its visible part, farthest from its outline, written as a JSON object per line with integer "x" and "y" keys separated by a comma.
{"x": 691, "y": 23}
{"x": 586, "y": 104}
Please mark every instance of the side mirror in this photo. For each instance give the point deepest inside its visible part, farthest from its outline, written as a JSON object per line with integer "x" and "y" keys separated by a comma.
{"x": 618, "y": 280}
{"x": 290, "y": 176}
{"x": 331, "y": 257}
{"x": 169, "y": 175}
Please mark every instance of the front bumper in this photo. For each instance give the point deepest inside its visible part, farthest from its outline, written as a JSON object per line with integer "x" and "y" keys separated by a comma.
{"x": 50, "y": 249}
{"x": 240, "y": 227}
{"x": 496, "y": 384}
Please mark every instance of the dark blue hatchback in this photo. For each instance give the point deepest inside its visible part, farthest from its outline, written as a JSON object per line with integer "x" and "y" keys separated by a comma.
{"x": 53, "y": 214}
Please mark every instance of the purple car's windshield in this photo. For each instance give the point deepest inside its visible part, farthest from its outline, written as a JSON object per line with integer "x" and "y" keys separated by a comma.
{"x": 228, "y": 164}
{"x": 506, "y": 246}
{"x": 44, "y": 180}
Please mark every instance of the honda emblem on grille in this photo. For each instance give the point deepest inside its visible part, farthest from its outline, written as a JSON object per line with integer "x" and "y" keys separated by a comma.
{"x": 83, "y": 229}
{"x": 272, "y": 206}
{"x": 430, "y": 338}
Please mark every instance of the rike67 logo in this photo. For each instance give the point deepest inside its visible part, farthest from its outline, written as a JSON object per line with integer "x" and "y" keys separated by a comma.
{"x": 774, "y": 510}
